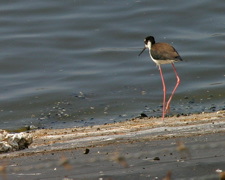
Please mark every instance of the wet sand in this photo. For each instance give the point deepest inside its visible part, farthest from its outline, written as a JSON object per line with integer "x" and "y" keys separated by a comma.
{"x": 142, "y": 148}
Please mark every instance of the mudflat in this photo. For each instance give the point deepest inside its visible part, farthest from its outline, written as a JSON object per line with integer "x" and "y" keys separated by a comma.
{"x": 141, "y": 148}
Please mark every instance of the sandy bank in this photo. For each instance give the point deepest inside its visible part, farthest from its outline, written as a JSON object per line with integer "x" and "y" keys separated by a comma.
{"x": 135, "y": 130}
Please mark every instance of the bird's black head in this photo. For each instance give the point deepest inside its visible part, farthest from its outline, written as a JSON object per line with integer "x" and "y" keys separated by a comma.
{"x": 146, "y": 40}
{"x": 149, "y": 38}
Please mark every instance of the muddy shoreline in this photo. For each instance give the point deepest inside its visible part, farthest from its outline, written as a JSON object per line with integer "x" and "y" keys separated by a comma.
{"x": 141, "y": 148}
{"x": 134, "y": 130}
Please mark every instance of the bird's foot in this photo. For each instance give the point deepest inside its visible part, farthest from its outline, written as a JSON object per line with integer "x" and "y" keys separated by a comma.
{"x": 167, "y": 111}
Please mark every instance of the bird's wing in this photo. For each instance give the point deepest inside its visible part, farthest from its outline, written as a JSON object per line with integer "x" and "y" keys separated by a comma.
{"x": 164, "y": 51}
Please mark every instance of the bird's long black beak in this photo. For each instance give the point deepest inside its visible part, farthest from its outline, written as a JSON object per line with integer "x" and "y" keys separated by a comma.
{"x": 142, "y": 51}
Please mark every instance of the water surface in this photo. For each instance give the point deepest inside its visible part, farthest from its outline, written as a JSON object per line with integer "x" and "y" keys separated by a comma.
{"x": 75, "y": 63}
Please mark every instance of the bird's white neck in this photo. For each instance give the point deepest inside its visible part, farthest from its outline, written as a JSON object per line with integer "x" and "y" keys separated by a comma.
{"x": 149, "y": 45}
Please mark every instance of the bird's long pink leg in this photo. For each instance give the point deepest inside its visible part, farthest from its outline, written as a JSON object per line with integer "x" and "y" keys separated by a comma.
{"x": 178, "y": 82}
{"x": 164, "y": 93}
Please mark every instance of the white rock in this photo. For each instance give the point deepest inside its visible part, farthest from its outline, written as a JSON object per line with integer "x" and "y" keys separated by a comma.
{"x": 14, "y": 141}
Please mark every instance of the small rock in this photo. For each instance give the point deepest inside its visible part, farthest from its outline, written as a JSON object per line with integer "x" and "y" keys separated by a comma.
{"x": 86, "y": 151}
{"x": 14, "y": 141}
{"x": 143, "y": 115}
{"x": 156, "y": 159}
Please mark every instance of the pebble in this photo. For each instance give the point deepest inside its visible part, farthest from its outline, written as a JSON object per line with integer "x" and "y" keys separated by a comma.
{"x": 156, "y": 159}
{"x": 86, "y": 151}
{"x": 143, "y": 115}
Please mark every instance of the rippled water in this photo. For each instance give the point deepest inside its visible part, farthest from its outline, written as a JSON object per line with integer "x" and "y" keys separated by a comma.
{"x": 75, "y": 63}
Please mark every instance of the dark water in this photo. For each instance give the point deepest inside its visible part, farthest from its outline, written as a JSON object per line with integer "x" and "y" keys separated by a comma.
{"x": 74, "y": 63}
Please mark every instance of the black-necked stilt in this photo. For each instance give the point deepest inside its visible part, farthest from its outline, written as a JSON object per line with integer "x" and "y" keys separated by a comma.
{"x": 163, "y": 53}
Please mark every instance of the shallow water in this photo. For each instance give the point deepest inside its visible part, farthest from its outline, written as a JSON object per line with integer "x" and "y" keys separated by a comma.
{"x": 75, "y": 63}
